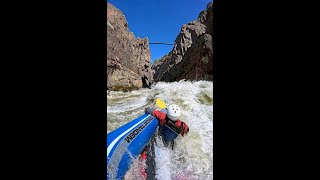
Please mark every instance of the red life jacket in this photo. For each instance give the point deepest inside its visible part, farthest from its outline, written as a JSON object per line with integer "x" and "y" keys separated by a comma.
{"x": 175, "y": 125}
{"x": 178, "y": 126}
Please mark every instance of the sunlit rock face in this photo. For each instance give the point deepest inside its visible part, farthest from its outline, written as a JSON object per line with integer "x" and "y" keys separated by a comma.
{"x": 192, "y": 56}
{"x": 128, "y": 58}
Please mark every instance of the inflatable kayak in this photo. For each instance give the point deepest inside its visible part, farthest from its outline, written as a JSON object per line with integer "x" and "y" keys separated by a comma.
{"x": 127, "y": 143}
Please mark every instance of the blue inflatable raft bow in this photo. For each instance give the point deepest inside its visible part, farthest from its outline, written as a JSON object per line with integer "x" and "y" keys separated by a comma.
{"x": 126, "y": 143}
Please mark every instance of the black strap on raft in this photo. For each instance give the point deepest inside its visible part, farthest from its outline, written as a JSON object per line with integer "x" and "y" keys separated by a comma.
{"x": 150, "y": 162}
{"x": 172, "y": 144}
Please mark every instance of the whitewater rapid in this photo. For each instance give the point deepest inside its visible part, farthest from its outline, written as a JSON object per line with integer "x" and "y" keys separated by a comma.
{"x": 192, "y": 158}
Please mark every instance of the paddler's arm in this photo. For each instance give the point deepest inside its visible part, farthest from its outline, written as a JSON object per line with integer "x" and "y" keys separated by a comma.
{"x": 185, "y": 128}
{"x": 157, "y": 114}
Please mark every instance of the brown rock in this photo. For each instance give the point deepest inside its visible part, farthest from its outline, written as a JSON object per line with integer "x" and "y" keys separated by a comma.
{"x": 128, "y": 58}
{"x": 192, "y": 55}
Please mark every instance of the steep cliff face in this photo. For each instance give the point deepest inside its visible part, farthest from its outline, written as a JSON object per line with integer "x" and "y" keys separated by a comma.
{"x": 192, "y": 55}
{"x": 128, "y": 58}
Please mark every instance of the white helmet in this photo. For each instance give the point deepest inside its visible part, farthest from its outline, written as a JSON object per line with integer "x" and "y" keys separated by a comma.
{"x": 174, "y": 112}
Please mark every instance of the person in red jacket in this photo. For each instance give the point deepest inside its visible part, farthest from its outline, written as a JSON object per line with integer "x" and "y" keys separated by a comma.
{"x": 170, "y": 124}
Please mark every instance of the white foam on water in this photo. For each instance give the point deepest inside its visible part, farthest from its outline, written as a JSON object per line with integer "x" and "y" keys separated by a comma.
{"x": 192, "y": 156}
{"x": 134, "y": 172}
{"x": 128, "y": 105}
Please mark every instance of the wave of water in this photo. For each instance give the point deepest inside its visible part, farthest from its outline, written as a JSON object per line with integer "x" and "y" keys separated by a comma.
{"x": 192, "y": 157}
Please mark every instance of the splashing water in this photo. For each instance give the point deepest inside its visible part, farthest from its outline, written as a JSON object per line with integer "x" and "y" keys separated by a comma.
{"x": 192, "y": 158}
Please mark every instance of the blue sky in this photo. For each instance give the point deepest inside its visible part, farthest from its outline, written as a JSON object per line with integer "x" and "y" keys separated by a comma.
{"x": 159, "y": 20}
